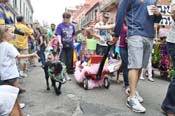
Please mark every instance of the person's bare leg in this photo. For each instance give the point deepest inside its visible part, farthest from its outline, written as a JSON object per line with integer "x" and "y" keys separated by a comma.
{"x": 133, "y": 79}
{"x": 16, "y": 84}
{"x": 140, "y": 71}
{"x": 22, "y": 67}
{"x": 16, "y": 111}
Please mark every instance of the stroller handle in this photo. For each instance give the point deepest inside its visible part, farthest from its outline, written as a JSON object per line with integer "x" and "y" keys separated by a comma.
{"x": 109, "y": 43}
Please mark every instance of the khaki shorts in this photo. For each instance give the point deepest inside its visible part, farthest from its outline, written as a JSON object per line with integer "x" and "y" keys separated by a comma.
{"x": 23, "y": 60}
{"x": 139, "y": 51}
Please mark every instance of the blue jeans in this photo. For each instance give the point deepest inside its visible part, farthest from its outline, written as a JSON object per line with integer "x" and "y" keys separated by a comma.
{"x": 168, "y": 104}
{"x": 124, "y": 57}
{"x": 67, "y": 58}
{"x": 42, "y": 55}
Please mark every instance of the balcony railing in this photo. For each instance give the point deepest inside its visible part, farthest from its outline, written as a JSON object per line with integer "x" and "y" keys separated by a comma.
{"x": 106, "y": 3}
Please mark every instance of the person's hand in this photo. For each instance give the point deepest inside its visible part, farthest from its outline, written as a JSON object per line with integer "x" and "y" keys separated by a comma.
{"x": 102, "y": 40}
{"x": 61, "y": 45}
{"x": 35, "y": 55}
{"x": 155, "y": 10}
{"x": 114, "y": 40}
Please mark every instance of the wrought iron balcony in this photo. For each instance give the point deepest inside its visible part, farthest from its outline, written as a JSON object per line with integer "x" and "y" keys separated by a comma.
{"x": 106, "y": 3}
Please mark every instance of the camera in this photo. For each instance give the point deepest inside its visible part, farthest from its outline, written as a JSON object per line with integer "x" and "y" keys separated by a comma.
{"x": 19, "y": 32}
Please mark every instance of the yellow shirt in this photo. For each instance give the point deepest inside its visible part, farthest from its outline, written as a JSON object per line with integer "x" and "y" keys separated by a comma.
{"x": 22, "y": 41}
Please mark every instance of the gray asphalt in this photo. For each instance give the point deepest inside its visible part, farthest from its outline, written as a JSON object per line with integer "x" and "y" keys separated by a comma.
{"x": 75, "y": 101}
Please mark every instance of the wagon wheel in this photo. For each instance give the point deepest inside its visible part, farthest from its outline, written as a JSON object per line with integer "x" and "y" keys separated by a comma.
{"x": 106, "y": 83}
{"x": 85, "y": 84}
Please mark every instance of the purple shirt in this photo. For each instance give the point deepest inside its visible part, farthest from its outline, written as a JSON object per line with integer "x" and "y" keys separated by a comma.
{"x": 123, "y": 35}
{"x": 66, "y": 32}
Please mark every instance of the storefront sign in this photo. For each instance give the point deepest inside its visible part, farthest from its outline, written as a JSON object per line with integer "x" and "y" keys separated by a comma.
{"x": 165, "y": 10}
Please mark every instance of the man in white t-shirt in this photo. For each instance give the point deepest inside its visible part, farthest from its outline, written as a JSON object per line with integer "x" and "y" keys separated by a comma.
{"x": 104, "y": 35}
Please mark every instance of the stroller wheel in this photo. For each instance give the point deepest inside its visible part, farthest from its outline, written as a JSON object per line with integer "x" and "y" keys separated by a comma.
{"x": 85, "y": 84}
{"x": 106, "y": 83}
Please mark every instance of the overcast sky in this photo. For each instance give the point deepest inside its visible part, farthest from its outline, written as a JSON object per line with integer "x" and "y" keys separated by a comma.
{"x": 51, "y": 10}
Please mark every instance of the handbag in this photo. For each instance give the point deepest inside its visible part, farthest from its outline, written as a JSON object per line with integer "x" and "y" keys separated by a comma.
{"x": 67, "y": 44}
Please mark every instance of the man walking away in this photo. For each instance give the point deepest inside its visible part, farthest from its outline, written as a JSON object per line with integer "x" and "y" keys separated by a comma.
{"x": 141, "y": 16}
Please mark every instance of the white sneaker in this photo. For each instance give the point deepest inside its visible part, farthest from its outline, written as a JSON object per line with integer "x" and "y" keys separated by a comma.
{"x": 64, "y": 80}
{"x": 22, "y": 105}
{"x": 135, "y": 105}
{"x": 142, "y": 78}
{"x": 151, "y": 79}
{"x": 140, "y": 99}
{"x": 68, "y": 78}
{"x": 25, "y": 74}
{"x": 21, "y": 73}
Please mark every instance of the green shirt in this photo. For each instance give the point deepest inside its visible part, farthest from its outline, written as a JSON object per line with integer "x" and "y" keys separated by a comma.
{"x": 50, "y": 34}
{"x": 80, "y": 37}
{"x": 91, "y": 44}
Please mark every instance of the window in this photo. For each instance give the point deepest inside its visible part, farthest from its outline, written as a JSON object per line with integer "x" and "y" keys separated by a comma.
{"x": 95, "y": 14}
{"x": 23, "y": 9}
{"x": 20, "y": 6}
{"x": 15, "y": 3}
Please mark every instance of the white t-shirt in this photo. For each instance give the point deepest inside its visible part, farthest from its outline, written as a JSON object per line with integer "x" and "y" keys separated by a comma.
{"x": 171, "y": 34}
{"x": 105, "y": 34}
{"x": 8, "y": 68}
{"x": 8, "y": 96}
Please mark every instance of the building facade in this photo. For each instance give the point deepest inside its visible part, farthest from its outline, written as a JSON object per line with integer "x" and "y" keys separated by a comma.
{"x": 90, "y": 11}
{"x": 21, "y": 7}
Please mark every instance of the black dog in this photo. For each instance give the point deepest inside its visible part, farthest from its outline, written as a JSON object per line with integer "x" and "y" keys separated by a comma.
{"x": 52, "y": 69}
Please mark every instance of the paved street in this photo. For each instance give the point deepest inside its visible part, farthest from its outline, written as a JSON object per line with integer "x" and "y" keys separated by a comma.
{"x": 75, "y": 101}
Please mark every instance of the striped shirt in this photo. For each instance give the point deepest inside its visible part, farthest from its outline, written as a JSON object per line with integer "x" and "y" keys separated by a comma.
{"x": 5, "y": 18}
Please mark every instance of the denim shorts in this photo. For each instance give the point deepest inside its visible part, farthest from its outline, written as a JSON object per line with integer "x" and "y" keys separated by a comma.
{"x": 11, "y": 81}
{"x": 139, "y": 51}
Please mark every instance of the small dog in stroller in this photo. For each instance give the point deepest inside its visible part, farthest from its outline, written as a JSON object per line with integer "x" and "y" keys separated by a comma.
{"x": 56, "y": 70}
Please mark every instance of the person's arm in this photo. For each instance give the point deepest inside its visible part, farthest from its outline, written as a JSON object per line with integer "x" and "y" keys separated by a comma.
{"x": 21, "y": 56}
{"x": 32, "y": 37}
{"x": 97, "y": 36}
{"x": 121, "y": 13}
{"x": 157, "y": 14}
{"x": 74, "y": 34}
{"x": 41, "y": 41}
{"x": 2, "y": 18}
{"x": 58, "y": 34}
{"x": 13, "y": 53}
{"x": 28, "y": 30}
{"x": 105, "y": 27}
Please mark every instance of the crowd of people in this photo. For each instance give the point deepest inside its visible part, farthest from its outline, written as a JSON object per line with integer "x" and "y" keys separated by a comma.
{"x": 21, "y": 44}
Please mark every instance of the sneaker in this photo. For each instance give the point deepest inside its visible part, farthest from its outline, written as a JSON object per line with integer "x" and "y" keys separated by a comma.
{"x": 137, "y": 95}
{"x": 140, "y": 99}
{"x": 25, "y": 74}
{"x": 127, "y": 91}
{"x": 68, "y": 78}
{"x": 135, "y": 105}
{"x": 151, "y": 79}
{"x": 64, "y": 80}
{"x": 142, "y": 78}
{"x": 22, "y": 105}
{"x": 21, "y": 73}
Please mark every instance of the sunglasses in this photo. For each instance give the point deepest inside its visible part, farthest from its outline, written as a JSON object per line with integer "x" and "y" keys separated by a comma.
{"x": 66, "y": 17}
